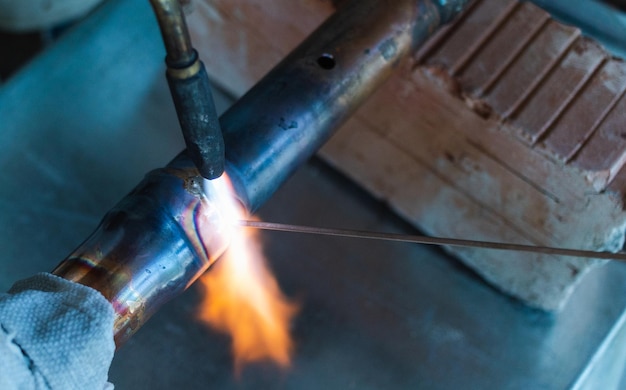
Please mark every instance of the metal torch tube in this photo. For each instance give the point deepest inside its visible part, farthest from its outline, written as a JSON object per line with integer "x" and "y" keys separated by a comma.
{"x": 162, "y": 236}
{"x": 174, "y": 31}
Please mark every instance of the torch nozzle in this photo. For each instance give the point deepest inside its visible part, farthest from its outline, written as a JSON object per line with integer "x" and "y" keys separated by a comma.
{"x": 191, "y": 92}
{"x": 198, "y": 119}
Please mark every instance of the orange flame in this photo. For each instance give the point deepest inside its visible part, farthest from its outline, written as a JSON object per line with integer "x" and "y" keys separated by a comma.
{"x": 242, "y": 298}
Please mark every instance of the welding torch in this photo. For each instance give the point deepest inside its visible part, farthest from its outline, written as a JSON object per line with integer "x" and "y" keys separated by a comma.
{"x": 167, "y": 231}
{"x": 191, "y": 91}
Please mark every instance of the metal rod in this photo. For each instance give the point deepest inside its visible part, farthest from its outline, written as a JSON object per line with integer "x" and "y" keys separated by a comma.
{"x": 174, "y": 31}
{"x": 159, "y": 239}
{"x": 429, "y": 240}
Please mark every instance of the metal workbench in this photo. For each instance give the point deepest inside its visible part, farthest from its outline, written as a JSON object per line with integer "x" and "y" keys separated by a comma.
{"x": 84, "y": 121}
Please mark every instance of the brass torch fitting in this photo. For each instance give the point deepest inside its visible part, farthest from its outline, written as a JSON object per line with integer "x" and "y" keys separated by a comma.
{"x": 185, "y": 73}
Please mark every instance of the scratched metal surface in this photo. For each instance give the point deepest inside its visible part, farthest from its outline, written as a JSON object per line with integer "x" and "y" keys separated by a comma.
{"x": 83, "y": 123}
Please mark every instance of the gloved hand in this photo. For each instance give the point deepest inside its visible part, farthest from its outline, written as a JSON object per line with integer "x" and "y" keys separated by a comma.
{"x": 55, "y": 334}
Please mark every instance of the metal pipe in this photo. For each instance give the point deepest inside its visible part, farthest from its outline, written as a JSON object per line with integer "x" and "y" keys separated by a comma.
{"x": 293, "y": 110}
{"x": 159, "y": 239}
{"x": 151, "y": 246}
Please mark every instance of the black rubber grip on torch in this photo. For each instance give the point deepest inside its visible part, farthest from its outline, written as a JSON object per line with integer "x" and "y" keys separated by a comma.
{"x": 198, "y": 119}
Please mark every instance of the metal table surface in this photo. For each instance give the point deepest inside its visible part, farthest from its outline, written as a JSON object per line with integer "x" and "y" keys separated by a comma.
{"x": 84, "y": 121}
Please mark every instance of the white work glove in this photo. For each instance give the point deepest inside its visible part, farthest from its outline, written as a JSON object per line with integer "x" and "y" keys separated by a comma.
{"x": 55, "y": 334}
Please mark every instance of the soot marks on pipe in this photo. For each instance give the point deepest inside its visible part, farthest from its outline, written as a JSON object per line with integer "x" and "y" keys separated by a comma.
{"x": 194, "y": 185}
{"x": 192, "y": 182}
{"x": 388, "y": 49}
{"x": 285, "y": 125}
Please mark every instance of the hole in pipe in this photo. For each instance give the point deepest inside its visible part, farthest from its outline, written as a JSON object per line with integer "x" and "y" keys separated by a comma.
{"x": 326, "y": 61}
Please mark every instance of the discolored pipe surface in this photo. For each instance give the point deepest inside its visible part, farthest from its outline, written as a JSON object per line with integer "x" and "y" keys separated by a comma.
{"x": 151, "y": 246}
{"x": 160, "y": 238}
